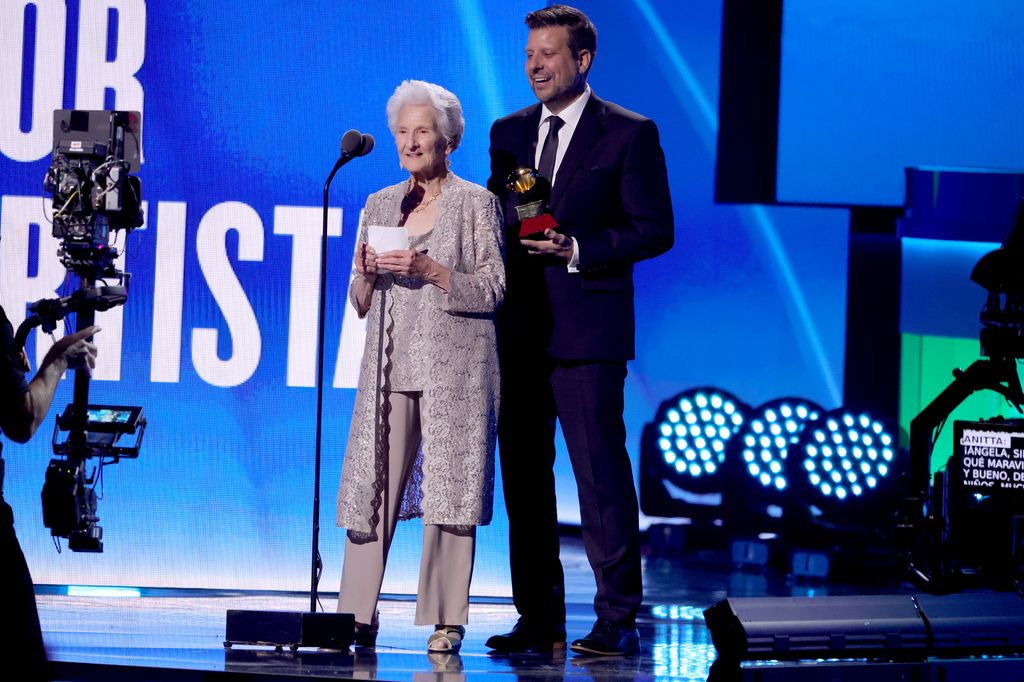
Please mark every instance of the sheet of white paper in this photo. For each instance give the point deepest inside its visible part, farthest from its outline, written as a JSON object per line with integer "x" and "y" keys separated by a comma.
{"x": 383, "y": 238}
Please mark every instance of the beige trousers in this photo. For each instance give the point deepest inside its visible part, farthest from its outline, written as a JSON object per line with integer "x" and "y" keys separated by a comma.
{"x": 446, "y": 565}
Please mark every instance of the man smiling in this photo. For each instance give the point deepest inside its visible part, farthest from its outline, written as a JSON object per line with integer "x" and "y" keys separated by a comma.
{"x": 567, "y": 330}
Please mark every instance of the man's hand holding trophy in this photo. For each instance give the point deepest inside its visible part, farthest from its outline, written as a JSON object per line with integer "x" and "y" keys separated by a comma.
{"x": 534, "y": 190}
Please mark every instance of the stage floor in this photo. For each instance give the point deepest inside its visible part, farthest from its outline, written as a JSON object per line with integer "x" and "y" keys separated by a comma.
{"x": 179, "y": 634}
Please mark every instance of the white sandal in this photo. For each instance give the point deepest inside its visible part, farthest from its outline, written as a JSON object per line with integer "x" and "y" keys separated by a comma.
{"x": 446, "y": 639}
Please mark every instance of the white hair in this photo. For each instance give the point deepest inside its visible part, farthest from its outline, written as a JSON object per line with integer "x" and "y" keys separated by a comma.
{"x": 447, "y": 110}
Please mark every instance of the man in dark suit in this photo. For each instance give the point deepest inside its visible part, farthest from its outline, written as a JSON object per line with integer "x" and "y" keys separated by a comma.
{"x": 567, "y": 330}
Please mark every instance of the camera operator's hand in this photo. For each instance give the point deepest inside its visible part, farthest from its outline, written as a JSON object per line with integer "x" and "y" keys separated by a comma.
{"x": 77, "y": 351}
{"x": 74, "y": 351}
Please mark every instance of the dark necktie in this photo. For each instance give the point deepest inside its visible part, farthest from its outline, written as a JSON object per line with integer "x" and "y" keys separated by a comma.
{"x": 550, "y": 150}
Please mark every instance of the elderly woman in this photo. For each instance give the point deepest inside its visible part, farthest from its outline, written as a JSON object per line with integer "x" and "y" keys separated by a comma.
{"x": 423, "y": 429}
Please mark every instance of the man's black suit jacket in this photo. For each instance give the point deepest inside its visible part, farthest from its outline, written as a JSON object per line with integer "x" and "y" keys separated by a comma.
{"x": 611, "y": 194}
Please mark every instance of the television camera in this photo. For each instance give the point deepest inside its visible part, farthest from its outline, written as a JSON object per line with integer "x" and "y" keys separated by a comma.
{"x": 966, "y": 528}
{"x": 95, "y": 196}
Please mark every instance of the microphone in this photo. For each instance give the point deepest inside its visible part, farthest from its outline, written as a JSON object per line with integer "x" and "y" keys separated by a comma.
{"x": 352, "y": 143}
{"x": 367, "y": 144}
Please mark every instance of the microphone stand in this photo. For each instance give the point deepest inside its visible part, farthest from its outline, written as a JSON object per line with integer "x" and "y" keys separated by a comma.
{"x": 316, "y": 563}
{"x": 310, "y": 629}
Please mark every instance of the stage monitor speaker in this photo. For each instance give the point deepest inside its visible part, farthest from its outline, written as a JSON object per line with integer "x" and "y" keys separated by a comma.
{"x": 291, "y": 629}
{"x": 807, "y": 627}
{"x": 973, "y": 622}
{"x": 889, "y": 626}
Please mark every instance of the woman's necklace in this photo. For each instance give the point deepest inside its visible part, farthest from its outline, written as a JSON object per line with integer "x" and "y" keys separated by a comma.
{"x": 427, "y": 200}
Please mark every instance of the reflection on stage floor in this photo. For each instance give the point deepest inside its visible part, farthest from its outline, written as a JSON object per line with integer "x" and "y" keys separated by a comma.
{"x": 179, "y": 634}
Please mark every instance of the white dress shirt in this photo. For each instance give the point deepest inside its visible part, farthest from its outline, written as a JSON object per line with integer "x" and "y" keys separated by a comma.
{"x": 570, "y": 119}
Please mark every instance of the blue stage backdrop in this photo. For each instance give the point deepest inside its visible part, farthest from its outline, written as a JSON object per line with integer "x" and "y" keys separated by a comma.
{"x": 869, "y": 87}
{"x": 243, "y": 106}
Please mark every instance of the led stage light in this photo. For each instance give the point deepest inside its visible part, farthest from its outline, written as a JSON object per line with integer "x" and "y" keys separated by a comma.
{"x": 846, "y": 474}
{"x": 766, "y": 438}
{"x": 683, "y": 452}
{"x": 844, "y": 459}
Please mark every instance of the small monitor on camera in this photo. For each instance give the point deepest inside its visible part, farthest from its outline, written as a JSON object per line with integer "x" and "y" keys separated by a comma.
{"x": 105, "y": 418}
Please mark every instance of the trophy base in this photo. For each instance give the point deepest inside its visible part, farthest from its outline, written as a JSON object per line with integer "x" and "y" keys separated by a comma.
{"x": 533, "y": 228}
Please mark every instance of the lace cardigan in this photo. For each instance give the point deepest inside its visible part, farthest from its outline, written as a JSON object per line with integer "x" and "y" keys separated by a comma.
{"x": 452, "y": 482}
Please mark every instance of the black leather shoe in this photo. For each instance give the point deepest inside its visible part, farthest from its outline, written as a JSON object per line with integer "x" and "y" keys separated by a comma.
{"x": 608, "y": 639}
{"x": 527, "y": 637}
{"x": 365, "y": 634}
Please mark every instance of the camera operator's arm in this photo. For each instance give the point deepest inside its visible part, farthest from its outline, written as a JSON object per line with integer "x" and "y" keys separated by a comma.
{"x": 74, "y": 351}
